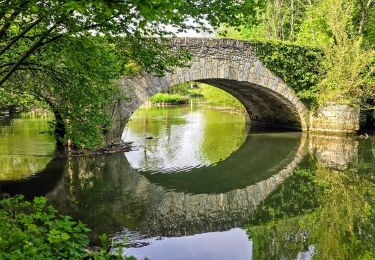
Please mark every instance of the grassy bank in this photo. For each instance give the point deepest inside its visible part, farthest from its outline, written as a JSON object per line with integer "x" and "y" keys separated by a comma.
{"x": 219, "y": 98}
{"x": 213, "y": 96}
{"x": 165, "y": 98}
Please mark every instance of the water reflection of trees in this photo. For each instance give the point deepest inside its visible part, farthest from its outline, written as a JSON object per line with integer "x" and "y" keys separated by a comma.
{"x": 222, "y": 137}
{"x": 323, "y": 212}
{"x": 183, "y": 137}
{"x": 25, "y": 147}
{"x": 103, "y": 192}
{"x": 153, "y": 119}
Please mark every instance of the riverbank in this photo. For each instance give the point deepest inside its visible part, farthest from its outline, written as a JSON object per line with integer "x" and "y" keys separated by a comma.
{"x": 171, "y": 99}
{"x": 108, "y": 149}
{"x": 227, "y": 109}
{"x": 212, "y": 96}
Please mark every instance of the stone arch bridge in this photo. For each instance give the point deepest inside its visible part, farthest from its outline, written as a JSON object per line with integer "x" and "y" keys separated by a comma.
{"x": 230, "y": 65}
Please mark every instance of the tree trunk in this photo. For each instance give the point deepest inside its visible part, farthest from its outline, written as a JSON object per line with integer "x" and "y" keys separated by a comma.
{"x": 292, "y": 20}
{"x": 364, "y": 13}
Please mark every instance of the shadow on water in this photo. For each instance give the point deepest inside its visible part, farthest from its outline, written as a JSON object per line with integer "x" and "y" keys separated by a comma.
{"x": 261, "y": 156}
{"x": 39, "y": 184}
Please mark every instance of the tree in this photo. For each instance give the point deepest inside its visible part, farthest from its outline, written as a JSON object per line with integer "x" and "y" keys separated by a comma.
{"x": 49, "y": 49}
{"x": 347, "y": 64}
{"x": 345, "y": 30}
{"x": 275, "y": 19}
{"x": 28, "y": 26}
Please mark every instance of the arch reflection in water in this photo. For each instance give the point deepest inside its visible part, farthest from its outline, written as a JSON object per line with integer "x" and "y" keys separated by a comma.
{"x": 183, "y": 137}
{"x": 108, "y": 194}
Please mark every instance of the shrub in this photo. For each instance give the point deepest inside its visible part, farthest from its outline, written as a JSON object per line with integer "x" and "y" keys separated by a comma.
{"x": 30, "y": 230}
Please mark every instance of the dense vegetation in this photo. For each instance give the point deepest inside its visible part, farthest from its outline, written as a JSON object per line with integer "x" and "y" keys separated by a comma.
{"x": 342, "y": 29}
{"x": 299, "y": 66}
{"x": 30, "y": 229}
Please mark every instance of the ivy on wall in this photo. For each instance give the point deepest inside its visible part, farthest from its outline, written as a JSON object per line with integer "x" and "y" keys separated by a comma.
{"x": 299, "y": 66}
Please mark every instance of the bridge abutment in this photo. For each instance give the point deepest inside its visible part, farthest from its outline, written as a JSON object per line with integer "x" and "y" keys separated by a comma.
{"x": 336, "y": 119}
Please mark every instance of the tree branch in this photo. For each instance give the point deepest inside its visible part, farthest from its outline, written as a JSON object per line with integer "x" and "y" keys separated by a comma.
{"x": 9, "y": 22}
{"x": 15, "y": 39}
{"x": 27, "y": 54}
{"x": 4, "y": 10}
{"x": 364, "y": 14}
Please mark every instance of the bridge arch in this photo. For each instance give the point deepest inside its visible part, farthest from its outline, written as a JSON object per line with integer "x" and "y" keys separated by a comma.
{"x": 227, "y": 64}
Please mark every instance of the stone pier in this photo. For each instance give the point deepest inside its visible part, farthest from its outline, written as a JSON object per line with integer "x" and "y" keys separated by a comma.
{"x": 336, "y": 119}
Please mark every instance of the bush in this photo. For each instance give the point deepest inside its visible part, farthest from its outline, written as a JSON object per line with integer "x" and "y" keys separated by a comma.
{"x": 30, "y": 230}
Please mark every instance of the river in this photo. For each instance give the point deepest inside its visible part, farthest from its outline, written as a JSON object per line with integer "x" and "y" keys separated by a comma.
{"x": 200, "y": 184}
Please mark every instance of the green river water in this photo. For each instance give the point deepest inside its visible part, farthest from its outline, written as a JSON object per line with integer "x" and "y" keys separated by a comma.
{"x": 200, "y": 184}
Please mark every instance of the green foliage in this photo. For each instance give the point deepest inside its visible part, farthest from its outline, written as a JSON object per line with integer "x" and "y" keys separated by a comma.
{"x": 274, "y": 19}
{"x": 29, "y": 229}
{"x": 77, "y": 78}
{"x": 369, "y": 26}
{"x": 169, "y": 98}
{"x": 48, "y": 53}
{"x": 33, "y": 229}
{"x": 347, "y": 63}
{"x": 132, "y": 69}
{"x": 301, "y": 193}
{"x": 314, "y": 30}
{"x": 347, "y": 80}
{"x": 298, "y": 66}
{"x": 183, "y": 89}
{"x": 347, "y": 66}
{"x": 78, "y": 84}
{"x": 23, "y": 101}
{"x": 26, "y": 27}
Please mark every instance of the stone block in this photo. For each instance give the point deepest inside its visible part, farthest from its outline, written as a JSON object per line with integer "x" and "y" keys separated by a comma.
{"x": 335, "y": 118}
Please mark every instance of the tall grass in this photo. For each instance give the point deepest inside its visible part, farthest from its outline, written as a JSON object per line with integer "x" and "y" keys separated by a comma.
{"x": 169, "y": 98}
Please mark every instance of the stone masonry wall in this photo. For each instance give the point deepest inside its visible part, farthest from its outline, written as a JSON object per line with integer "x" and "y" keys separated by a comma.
{"x": 232, "y": 66}
{"x": 335, "y": 118}
{"x": 227, "y": 64}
